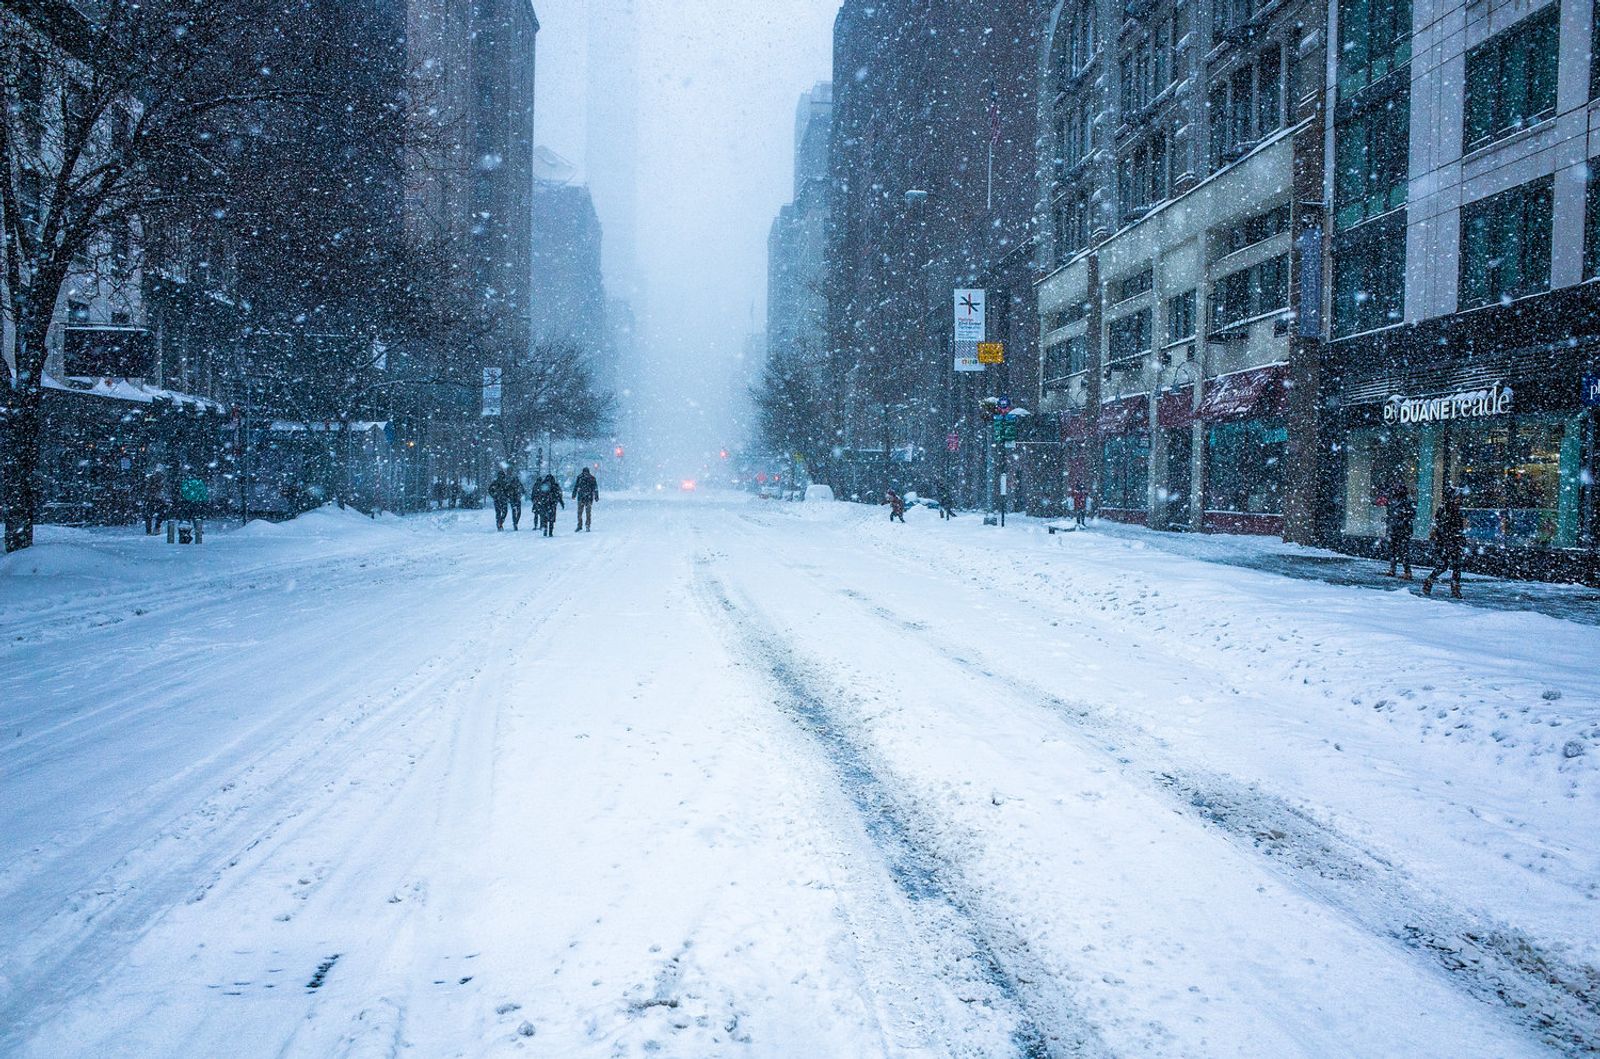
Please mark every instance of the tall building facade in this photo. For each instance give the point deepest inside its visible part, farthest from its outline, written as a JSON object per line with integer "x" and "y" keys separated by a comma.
{"x": 797, "y": 244}
{"x": 935, "y": 100}
{"x": 1180, "y": 173}
{"x": 1465, "y": 241}
{"x": 569, "y": 306}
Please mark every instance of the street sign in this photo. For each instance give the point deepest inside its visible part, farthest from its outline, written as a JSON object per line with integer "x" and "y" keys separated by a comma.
{"x": 1591, "y": 390}
{"x": 967, "y": 357}
{"x": 991, "y": 353}
{"x": 969, "y": 306}
{"x": 492, "y": 392}
{"x": 1005, "y": 430}
{"x": 952, "y": 442}
{"x": 1004, "y": 404}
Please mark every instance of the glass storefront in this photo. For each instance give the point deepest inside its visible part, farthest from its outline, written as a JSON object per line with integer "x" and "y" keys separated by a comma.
{"x": 1376, "y": 460}
{"x": 1520, "y": 476}
{"x": 1244, "y": 466}
{"x": 1125, "y": 472}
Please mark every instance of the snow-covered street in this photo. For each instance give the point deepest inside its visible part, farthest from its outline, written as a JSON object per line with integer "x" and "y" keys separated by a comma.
{"x": 734, "y": 778}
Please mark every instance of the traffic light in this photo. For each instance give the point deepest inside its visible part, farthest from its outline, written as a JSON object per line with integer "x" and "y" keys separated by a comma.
{"x": 619, "y": 452}
{"x": 724, "y": 453}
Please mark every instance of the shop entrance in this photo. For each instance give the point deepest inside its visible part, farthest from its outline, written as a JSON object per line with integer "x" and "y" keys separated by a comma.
{"x": 1179, "y": 445}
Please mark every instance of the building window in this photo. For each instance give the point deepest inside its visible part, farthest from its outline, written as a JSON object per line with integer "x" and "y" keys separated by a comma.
{"x": 1065, "y": 359}
{"x": 1591, "y": 225}
{"x": 1143, "y": 176}
{"x": 1074, "y": 43}
{"x": 1072, "y": 226}
{"x": 1133, "y": 286}
{"x": 1511, "y": 79}
{"x": 1181, "y": 317}
{"x": 1505, "y": 244}
{"x": 1257, "y": 229}
{"x": 1372, "y": 160}
{"x": 1066, "y": 316}
{"x": 1244, "y": 467}
{"x": 1230, "y": 19}
{"x": 1251, "y": 292}
{"x": 1245, "y": 107}
{"x": 1369, "y": 276}
{"x": 1125, "y": 472}
{"x": 1128, "y": 336}
{"x": 1074, "y": 134}
{"x": 1374, "y": 41}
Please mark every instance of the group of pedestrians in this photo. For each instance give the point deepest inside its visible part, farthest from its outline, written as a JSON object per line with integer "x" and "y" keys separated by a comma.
{"x": 1449, "y": 538}
{"x": 897, "y": 503}
{"x": 546, "y": 497}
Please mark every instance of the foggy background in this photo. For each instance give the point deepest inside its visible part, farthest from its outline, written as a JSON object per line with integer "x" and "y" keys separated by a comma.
{"x": 717, "y": 84}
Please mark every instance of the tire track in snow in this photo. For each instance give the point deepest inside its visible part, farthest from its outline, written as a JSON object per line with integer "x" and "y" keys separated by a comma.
{"x": 997, "y": 960}
{"x": 1555, "y": 999}
{"x": 187, "y": 857}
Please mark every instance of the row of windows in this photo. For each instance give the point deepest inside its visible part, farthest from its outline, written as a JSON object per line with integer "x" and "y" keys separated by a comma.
{"x": 1154, "y": 62}
{"x": 1246, "y": 106}
{"x": 1251, "y": 292}
{"x": 1506, "y": 250}
{"x": 1127, "y": 336}
{"x": 1511, "y": 79}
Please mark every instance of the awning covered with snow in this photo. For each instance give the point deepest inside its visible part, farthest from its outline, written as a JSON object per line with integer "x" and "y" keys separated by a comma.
{"x": 1127, "y": 416}
{"x": 1246, "y": 394}
{"x": 131, "y": 390}
{"x": 1175, "y": 408}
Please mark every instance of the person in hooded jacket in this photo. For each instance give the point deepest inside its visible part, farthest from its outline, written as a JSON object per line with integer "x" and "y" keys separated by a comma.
{"x": 514, "y": 495}
{"x": 546, "y": 498}
{"x": 897, "y": 506}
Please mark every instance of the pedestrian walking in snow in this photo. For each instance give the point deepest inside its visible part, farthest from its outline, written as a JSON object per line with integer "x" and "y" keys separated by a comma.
{"x": 1399, "y": 515}
{"x": 546, "y": 498}
{"x": 947, "y": 508}
{"x": 155, "y": 500}
{"x": 514, "y": 497}
{"x": 585, "y": 491}
{"x": 1080, "y": 505}
{"x": 897, "y": 506}
{"x": 1449, "y": 544}
{"x": 500, "y": 493}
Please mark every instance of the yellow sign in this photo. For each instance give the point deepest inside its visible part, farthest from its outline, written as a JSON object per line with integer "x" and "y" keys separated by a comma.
{"x": 991, "y": 353}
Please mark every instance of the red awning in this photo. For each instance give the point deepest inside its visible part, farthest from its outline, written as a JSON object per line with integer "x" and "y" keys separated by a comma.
{"x": 1130, "y": 415}
{"x": 1175, "y": 409}
{"x": 1244, "y": 394}
{"x": 1074, "y": 426}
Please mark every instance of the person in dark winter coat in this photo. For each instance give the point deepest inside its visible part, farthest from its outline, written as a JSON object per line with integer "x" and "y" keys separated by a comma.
{"x": 514, "y": 495}
{"x": 1080, "y": 505}
{"x": 947, "y": 508}
{"x": 155, "y": 500}
{"x": 499, "y": 492}
{"x": 585, "y": 491}
{"x": 1399, "y": 515}
{"x": 897, "y": 506}
{"x": 546, "y": 498}
{"x": 1449, "y": 544}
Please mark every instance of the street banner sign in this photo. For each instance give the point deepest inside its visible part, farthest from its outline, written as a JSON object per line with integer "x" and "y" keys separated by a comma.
{"x": 967, "y": 357}
{"x": 991, "y": 353}
{"x": 970, "y": 318}
{"x": 1591, "y": 390}
{"x": 492, "y": 392}
{"x": 952, "y": 442}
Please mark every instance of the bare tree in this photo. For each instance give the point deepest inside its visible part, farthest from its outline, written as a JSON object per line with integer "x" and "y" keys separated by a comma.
{"x": 551, "y": 389}
{"x": 109, "y": 119}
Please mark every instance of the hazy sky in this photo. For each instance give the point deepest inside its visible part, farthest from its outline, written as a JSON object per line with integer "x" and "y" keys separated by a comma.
{"x": 719, "y": 80}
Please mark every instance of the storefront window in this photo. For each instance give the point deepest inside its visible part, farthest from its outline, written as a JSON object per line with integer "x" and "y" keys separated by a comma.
{"x": 1511, "y": 473}
{"x": 1244, "y": 464}
{"x": 1125, "y": 472}
{"x": 1376, "y": 461}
